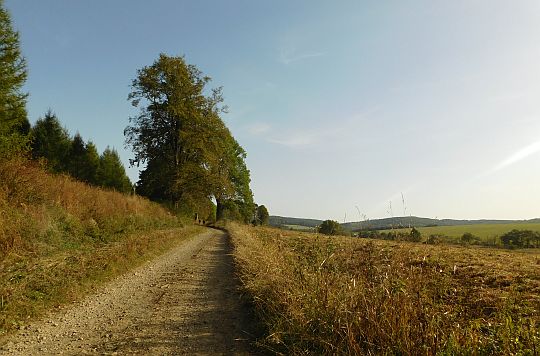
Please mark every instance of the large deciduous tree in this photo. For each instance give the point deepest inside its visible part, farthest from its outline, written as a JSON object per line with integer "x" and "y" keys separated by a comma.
{"x": 14, "y": 124}
{"x": 190, "y": 155}
{"x": 234, "y": 199}
{"x": 172, "y": 130}
{"x": 261, "y": 215}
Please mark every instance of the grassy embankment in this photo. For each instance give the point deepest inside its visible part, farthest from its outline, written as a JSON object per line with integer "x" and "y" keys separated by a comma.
{"x": 342, "y": 295}
{"x": 60, "y": 238}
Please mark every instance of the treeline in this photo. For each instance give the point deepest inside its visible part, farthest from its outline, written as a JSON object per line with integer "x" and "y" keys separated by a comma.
{"x": 512, "y": 239}
{"x": 190, "y": 161}
{"x": 65, "y": 154}
{"x": 47, "y": 140}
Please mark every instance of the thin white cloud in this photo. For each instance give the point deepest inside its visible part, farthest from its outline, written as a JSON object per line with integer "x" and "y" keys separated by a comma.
{"x": 311, "y": 137}
{"x": 513, "y": 159}
{"x": 296, "y": 140}
{"x": 288, "y": 56}
{"x": 518, "y": 156}
{"x": 338, "y": 131}
{"x": 241, "y": 112}
{"x": 258, "y": 128}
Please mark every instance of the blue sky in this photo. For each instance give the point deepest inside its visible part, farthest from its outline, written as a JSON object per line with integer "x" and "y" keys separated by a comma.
{"x": 342, "y": 106}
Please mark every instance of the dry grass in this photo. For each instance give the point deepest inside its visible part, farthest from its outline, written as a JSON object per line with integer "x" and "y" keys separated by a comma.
{"x": 59, "y": 237}
{"x": 36, "y": 206}
{"x": 356, "y": 296}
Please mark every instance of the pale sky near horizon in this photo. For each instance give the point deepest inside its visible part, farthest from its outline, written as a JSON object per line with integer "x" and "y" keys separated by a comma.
{"x": 342, "y": 106}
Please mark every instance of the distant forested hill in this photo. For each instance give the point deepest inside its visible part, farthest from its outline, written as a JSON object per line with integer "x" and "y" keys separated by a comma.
{"x": 387, "y": 223}
{"x": 281, "y": 221}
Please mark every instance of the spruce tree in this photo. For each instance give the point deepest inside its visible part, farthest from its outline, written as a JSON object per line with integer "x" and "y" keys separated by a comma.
{"x": 111, "y": 172}
{"x": 83, "y": 160}
{"x": 14, "y": 124}
{"x": 92, "y": 164}
{"x": 51, "y": 141}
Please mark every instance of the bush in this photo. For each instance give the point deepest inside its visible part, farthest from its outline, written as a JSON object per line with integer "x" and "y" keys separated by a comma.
{"x": 329, "y": 227}
{"x": 435, "y": 239}
{"x": 521, "y": 238}
{"x": 415, "y": 235}
{"x": 469, "y": 238}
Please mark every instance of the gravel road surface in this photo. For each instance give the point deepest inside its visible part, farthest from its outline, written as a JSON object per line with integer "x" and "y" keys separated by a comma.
{"x": 184, "y": 302}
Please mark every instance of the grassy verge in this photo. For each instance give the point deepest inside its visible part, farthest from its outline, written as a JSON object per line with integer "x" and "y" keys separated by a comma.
{"x": 59, "y": 238}
{"x": 342, "y": 295}
{"x": 31, "y": 286}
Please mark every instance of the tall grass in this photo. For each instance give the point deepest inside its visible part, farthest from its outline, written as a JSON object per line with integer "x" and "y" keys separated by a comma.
{"x": 59, "y": 237}
{"x": 349, "y": 296}
{"x": 37, "y": 207}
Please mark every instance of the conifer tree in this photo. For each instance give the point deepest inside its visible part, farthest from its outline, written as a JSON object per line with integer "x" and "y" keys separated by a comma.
{"x": 51, "y": 141}
{"x": 111, "y": 172}
{"x": 83, "y": 160}
{"x": 14, "y": 124}
{"x": 92, "y": 162}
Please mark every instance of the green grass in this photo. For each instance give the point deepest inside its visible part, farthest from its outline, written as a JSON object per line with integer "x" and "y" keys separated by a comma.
{"x": 482, "y": 231}
{"x": 299, "y": 227}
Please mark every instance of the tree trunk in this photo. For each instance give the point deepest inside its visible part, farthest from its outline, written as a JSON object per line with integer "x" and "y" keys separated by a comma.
{"x": 220, "y": 209}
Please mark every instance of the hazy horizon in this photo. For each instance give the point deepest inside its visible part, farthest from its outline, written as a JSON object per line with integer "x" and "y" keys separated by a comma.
{"x": 342, "y": 107}
{"x": 361, "y": 220}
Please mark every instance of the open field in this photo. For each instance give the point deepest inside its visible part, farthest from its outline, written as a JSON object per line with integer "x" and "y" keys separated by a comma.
{"x": 299, "y": 228}
{"x": 339, "y": 295}
{"x": 483, "y": 231}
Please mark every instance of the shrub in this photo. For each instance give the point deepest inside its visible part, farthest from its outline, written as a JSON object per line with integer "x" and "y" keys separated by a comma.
{"x": 329, "y": 227}
{"x": 435, "y": 239}
{"x": 415, "y": 235}
{"x": 469, "y": 238}
{"x": 521, "y": 238}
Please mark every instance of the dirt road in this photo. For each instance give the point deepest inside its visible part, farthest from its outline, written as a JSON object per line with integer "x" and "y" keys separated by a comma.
{"x": 184, "y": 302}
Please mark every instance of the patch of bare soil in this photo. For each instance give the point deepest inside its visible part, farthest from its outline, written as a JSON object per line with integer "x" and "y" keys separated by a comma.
{"x": 184, "y": 302}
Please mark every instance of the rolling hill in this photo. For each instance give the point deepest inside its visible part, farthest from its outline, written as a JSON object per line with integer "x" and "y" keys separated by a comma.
{"x": 387, "y": 223}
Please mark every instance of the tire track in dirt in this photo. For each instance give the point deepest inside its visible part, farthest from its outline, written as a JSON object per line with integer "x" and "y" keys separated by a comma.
{"x": 184, "y": 302}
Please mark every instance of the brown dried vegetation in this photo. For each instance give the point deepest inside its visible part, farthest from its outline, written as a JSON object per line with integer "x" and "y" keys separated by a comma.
{"x": 59, "y": 236}
{"x": 338, "y": 295}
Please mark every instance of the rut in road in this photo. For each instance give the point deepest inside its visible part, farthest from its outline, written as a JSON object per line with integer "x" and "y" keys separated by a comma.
{"x": 184, "y": 302}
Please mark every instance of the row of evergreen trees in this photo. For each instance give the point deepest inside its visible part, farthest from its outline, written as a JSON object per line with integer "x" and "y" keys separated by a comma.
{"x": 190, "y": 158}
{"x": 71, "y": 155}
{"x": 47, "y": 140}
